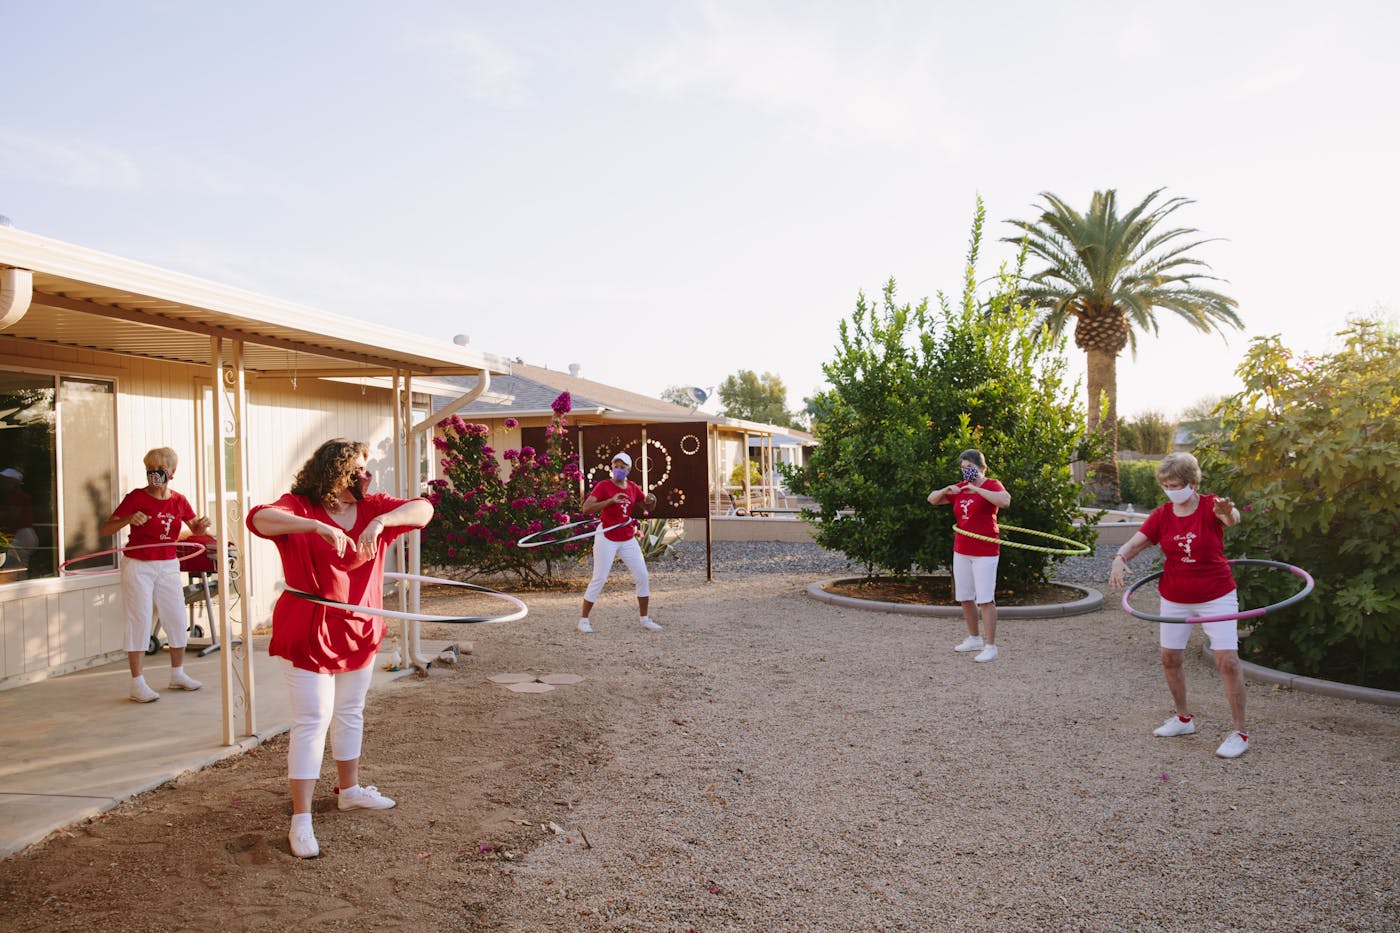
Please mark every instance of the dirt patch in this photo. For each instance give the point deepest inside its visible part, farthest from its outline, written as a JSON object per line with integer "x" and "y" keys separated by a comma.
{"x": 938, "y": 591}
{"x": 769, "y": 762}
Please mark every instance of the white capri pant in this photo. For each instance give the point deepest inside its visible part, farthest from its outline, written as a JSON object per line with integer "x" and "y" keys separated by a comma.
{"x": 147, "y": 583}
{"x": 1224, "y": 636}
{"x": 975, "y": 578}
{"x": 322, "y": 703}
{"x": 605, "y": 551}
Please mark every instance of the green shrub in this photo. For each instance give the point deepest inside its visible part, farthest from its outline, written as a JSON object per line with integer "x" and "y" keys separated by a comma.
{"x": 736, "y": 475}
{"x": 1309, "y": 451}
{"x": 1137, "y": 484}
{"x": 913, "y": 388}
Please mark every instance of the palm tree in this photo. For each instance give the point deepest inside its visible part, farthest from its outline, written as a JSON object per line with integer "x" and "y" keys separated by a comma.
{"x": 1111, "y": 275}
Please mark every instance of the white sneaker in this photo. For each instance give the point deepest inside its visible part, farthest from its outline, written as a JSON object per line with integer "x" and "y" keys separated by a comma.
{"x": 584, "y": 627}
{"x": 971, "y": 643}
{"x": 988, "y": 653}
{"x": 1235, "y": 745}
{"x": 141, "y": 692}
{"x": 303, "y": 842}
{"x": 649, "y": 625}
{"x": 367, "y": 797}
{"x": 179, "y": 680}
{"x": 1176, "y": 726}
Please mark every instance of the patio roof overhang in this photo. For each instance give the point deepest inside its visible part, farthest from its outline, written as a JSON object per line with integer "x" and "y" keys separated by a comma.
{"x": 85, "y": 299}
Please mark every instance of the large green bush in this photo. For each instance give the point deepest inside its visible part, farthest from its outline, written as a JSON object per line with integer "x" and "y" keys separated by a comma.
{"x": 1309, "y": 451}
{"x": 911, "y": 389}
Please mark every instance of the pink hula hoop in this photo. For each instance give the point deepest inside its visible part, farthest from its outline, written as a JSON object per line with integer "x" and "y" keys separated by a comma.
{"x": 63, "y": 568}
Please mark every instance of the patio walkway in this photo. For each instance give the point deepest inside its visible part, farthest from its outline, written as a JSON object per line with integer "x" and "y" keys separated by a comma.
{"x": 58, "y": 769}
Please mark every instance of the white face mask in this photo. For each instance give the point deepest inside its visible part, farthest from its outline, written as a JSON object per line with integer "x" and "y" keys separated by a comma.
{"x": 1180, "y": 496}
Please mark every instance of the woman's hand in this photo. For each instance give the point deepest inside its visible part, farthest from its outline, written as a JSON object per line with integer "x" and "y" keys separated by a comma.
{"x": 620, "y": 499}
{"x": 649, "y": 502}
{"x": 1224, "y": 509}
{"x": 369, "y": 538}
{"x": 1119, "y": 571}
{"x": 334, "y": 536}
{"x": 137, "y": 519}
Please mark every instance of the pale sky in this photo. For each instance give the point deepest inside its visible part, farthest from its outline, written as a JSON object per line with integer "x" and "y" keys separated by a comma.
{"x": 669, "y": 192}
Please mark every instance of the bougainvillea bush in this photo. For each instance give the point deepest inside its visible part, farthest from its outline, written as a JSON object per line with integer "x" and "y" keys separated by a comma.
{"x": 1309, "y": 451}
{"x": 481, "y": 514}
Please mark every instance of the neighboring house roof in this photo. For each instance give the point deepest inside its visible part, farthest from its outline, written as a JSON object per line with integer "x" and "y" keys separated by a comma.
{"x": 85, "y": 299}
{"x": 531, "y": 390}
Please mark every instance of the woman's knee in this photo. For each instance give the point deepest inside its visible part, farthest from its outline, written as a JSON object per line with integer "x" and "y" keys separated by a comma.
{"x": 1227, "y": 662}
{"x": 1172, "y": 658}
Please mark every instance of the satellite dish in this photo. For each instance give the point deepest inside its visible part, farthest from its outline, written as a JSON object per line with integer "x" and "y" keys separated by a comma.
{"x": 697, "y": 395}
{"x": 461, "y": 340}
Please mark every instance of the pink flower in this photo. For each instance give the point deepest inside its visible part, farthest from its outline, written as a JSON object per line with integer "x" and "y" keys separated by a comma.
{"x": 563, "y": 404}
{"x": 511, "y": 454}
{"x": 527, "y": 451}
{"x": 512, "y": 423}
{"x": 441, "y": 443}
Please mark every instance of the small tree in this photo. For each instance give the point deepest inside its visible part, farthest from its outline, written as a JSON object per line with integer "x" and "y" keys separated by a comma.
{"x": 480, "y": 516}
{"x": 910, "y": 390}
{"x": 1309, "y": 451}
{"x": 1148, "y": 433}
{"x": 755, "y": 398}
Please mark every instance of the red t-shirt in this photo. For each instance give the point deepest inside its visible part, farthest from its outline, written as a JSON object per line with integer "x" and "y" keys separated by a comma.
{"x": 1194, "y": 550}
{"x": 977, "y": 515}
{"x": 164, "y": 518}
{"x": 613, "y": 514}
{"x": 319, "y": 638}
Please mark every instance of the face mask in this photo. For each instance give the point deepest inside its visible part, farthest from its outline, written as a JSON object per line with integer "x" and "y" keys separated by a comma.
{"x": 157, "y": 477}
{"x": 970, "y": 473}
{"x": 360, "y": 484}
{"x": 619, "y": 475}
{"x": 1179, "y": 496}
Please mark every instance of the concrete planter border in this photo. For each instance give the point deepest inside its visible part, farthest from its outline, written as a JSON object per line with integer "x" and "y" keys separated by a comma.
{"x": 1091, "y": 601}
{"x": 1327, "y": 688}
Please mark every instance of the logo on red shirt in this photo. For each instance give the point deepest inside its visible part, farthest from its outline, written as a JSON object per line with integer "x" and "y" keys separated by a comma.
{"x": 1185, "y": 542}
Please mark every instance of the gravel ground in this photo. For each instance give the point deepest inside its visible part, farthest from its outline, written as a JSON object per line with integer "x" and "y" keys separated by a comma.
{"x": 770, "y": 762}
{"x": 769, "y": 557}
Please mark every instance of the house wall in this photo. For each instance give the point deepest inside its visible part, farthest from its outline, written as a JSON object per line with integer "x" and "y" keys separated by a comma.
{"x": 59, "y": 624}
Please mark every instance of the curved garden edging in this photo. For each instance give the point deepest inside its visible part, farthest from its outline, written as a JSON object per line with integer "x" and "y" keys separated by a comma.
{"x": 1328, "y": 688}
{"x": 1091, "y": 601}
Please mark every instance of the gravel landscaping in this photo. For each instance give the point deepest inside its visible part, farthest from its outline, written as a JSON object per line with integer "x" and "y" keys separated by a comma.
{"x": 769, "y": 762}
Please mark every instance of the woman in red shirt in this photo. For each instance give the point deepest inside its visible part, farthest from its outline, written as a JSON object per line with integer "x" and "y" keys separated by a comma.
{"x": 1196, "y": 582}
{"x": 975, "y": 503}
{"x": 615, "y": 500}
{"x": 332, "y": 536}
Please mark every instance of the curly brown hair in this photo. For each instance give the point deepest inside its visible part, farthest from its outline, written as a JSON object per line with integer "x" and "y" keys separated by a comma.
{"x": 329, "y": 472}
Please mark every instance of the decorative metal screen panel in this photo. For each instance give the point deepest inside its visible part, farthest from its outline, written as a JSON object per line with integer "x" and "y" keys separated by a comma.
{"x": 675, "y": 463}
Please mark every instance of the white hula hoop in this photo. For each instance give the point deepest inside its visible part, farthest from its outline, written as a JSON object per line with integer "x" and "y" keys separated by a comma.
{"x": 527, "y": 543}
{"x": 521, "y": 610}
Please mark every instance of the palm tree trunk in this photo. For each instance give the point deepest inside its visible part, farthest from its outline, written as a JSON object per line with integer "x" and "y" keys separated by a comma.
{"x": 1103, "y": 383}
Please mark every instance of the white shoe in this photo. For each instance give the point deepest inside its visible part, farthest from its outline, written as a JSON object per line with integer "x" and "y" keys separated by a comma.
{"x": 141, "y": 692}
{"x": 988, "y": 653}
{"x": 584, "y": 627}
{"x": 1235, "y": 745}
{"x": 649, "y": 625}
{"x": 1176, "y": 726}
{"x": 179, "y": 680}
{"x": 303, "y": 842}
{"x": 367, "y": 797}
{"x": 971, "y": 643}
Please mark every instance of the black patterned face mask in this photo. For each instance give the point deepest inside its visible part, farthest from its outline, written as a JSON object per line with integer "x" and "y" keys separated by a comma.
{"x": 157, "y": 477}
{"x": 969, "y": 473}
{"x": 360, "y": 485}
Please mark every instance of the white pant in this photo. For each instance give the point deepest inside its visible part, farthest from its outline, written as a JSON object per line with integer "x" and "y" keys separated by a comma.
{"x": 1224, "y": 636}
{"x": 605, "y": 551}
{"x": 147, "y": 583}
{"x": 324, "y": 703}
{"x": 975, "y": 578}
